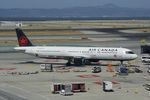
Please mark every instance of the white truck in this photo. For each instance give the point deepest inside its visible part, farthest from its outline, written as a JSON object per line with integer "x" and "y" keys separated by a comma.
{"x": 107, "y": 86}
{"x": 145, "y": 59}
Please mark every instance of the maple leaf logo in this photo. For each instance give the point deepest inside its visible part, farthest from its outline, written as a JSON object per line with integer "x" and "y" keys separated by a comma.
{"x": 23, "y": 41}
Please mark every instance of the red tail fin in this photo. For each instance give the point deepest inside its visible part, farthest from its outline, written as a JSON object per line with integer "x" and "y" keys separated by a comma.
{"x": 22, "y": 39}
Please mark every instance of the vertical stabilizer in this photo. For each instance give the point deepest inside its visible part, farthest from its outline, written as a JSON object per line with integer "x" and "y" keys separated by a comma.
{"x": 22, "y": 38}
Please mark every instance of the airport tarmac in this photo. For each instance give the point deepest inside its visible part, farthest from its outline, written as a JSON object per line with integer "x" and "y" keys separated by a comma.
{"x": 37, "y": 86}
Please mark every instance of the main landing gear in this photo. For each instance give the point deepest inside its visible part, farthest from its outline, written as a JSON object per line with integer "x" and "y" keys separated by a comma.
{"x": 76, "y": 62}
{"x": 121, "y": 62}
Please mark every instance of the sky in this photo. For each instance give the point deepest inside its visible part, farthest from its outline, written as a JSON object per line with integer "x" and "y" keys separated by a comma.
{"x": 46, "y": 4}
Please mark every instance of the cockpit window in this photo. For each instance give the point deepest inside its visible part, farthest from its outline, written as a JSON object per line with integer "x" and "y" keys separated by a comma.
{"x": 129, "y": 52}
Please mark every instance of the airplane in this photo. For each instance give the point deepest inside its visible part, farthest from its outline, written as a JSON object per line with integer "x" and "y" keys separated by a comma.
{"x": 75, "y": 55}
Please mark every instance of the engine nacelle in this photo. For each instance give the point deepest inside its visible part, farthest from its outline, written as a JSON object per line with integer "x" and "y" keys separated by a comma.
{"x": 78, "y": 61}
{"x": 93, "y": 60}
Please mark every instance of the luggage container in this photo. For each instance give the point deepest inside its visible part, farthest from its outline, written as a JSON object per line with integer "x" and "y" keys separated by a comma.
{"x": 66, "y": 90}
{"x": 107, "y": 86}
{"x": 46, "y": 67}
{"x": 122, "y": 70}
{"x": 56, "y": 87}
{"x": 78, "y": 87}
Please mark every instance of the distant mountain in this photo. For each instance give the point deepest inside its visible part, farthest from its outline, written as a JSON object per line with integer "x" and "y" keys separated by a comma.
{"x": 108, "y": 10}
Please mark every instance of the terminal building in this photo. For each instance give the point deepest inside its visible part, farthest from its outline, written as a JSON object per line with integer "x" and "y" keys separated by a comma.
{"x": 10, "y": 24}
{"x": 145, "y": 51}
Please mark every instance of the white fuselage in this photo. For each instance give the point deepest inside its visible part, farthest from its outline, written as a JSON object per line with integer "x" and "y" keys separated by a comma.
{"x": 101, "y": 53}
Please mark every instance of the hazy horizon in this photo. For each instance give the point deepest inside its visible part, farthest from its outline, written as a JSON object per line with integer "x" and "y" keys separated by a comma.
{"x": 47, "y": 4}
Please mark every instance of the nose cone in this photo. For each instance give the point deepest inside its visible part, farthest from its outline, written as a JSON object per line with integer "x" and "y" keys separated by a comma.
{"x": 134, "y": 56}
